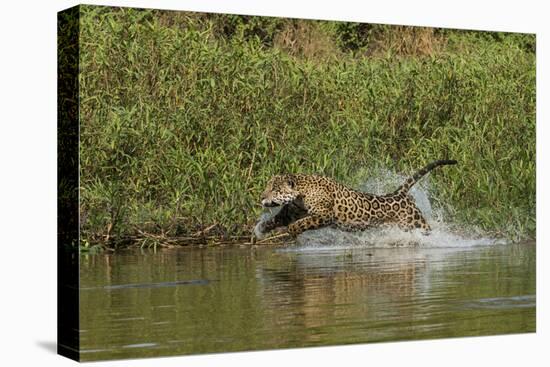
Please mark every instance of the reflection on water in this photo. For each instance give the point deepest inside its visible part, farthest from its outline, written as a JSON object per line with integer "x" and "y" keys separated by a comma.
{"x": 184, "y": 301}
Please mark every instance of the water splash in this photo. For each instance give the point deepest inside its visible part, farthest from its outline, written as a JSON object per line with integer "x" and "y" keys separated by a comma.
{"x": 443, "y": 235}
{"x": 440, "y": 237}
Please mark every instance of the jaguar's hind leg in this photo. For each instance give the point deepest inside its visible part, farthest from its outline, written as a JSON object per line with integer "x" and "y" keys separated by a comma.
{"x": 413, "y": 219}
{"x": 424, "y": 229}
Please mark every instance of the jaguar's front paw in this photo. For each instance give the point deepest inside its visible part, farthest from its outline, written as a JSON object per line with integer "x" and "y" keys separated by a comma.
{"x": 280, "y": 230}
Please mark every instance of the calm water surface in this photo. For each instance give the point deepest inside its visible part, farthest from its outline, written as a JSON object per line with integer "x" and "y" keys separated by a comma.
{"x": 186, "y": 301}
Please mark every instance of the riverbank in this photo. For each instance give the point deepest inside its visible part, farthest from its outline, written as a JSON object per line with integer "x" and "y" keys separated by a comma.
{"x": 184, "y": 117}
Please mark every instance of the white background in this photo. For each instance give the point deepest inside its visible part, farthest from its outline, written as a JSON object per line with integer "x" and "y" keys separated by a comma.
{"x": 28, "y": 182}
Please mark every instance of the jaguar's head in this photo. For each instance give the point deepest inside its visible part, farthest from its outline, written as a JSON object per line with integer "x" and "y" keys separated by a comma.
{"x": 280, "y": 190}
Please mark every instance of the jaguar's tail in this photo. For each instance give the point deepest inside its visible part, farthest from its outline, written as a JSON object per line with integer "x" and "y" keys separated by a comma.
{"x": 418, "y": 175}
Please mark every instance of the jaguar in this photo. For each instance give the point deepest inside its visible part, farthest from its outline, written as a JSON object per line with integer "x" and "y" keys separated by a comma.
{"x": 307, "y": 202}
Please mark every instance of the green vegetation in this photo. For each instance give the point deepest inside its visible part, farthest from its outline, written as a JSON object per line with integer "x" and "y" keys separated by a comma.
{"x": 185, "y": 116}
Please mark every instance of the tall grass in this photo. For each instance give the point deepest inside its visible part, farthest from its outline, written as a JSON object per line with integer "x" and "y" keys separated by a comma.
{"x": 181, "y": 125}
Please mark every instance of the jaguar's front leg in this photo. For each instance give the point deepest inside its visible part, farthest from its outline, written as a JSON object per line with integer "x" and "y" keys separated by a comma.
{"x": 306, "y": 223}
{"x": 286, "y": 215}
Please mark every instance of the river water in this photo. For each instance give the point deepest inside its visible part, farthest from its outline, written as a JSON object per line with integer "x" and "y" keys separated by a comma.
{"x": 203, "y": 300}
